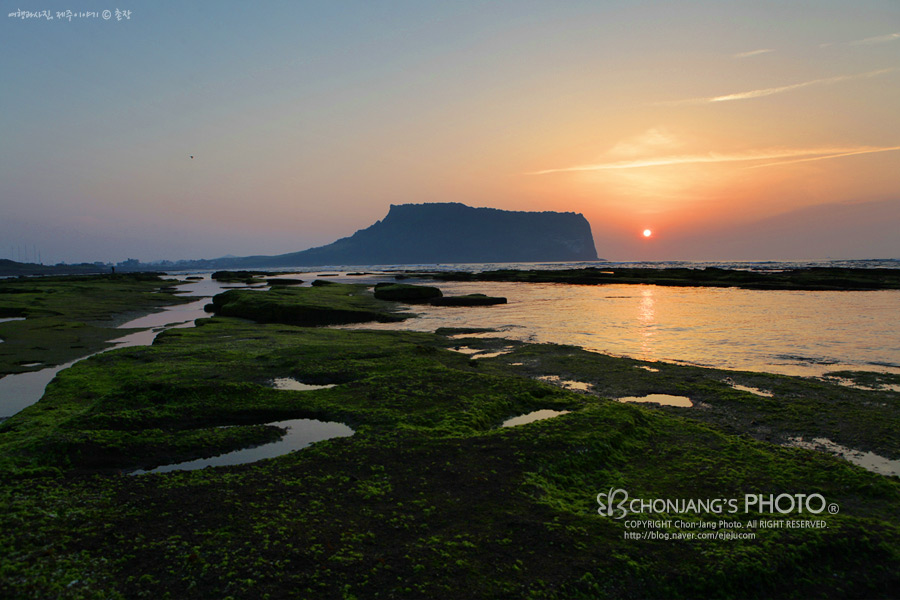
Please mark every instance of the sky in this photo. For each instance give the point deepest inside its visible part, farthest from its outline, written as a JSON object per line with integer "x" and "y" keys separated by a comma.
{"x": 733, "y": 130}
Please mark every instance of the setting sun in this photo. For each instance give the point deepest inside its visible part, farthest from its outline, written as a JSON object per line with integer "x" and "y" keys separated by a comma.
{"x": 647, "y": 233}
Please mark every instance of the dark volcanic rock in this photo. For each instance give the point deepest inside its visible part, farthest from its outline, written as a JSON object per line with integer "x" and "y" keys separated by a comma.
{"x": 284, "y": 281}
{"x": 468, "y": 300}
{"x": 331, "y": 304}
{"x": 238, "y": 276}
{"x": 454, "y": 233}
{"x": 405, "y": 292}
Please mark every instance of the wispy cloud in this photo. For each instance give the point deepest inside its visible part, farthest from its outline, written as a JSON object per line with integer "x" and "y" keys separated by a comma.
{"x": 652, "y": 140}
{"x": 846, "y": 152}
{"x": 878, "y": 39}
{"x": 753, "y": 53}
{"x": 791, "y": 154}
{"x": 760, "y": 93}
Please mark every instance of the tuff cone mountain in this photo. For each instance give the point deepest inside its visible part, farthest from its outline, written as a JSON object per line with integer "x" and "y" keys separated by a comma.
{"x": 454, "y": 233}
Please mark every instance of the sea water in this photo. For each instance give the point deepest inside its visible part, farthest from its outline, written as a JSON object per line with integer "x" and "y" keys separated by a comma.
{"x": 804, "y": 333}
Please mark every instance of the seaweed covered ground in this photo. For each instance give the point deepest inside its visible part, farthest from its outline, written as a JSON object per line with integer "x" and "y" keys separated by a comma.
{"x": 59, "y": 319}
{"x": 431, "y": 497}
{"x": 326, "y": 303}
{"x": 810, "y": 278}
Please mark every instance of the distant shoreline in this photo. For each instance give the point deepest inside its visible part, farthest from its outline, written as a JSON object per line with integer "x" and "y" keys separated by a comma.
{"x": 803, "y": 279}
{"x": 765, "y": 275}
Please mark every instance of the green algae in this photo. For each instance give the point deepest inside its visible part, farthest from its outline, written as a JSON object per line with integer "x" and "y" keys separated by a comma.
{"x": 866, "y": 379}
{"x": 328, "y": 303}
{"x": 808, "y": 407}
{"x": 218, "y": 374}
{"x": 69, "y": 317}
{"x": 430, "y": 497}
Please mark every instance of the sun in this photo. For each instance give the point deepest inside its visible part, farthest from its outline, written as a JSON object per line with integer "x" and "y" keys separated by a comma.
{"x": 647, "y": 233}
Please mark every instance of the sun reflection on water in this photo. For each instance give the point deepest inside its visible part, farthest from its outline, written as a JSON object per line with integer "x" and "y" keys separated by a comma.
{"x": 794, "y": 333}
{"x": 647, "y": 323}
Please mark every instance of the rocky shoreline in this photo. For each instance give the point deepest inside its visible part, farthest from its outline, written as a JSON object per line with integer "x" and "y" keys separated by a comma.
{"x": 810, "y": 278}
{"x": 431, "y": 496}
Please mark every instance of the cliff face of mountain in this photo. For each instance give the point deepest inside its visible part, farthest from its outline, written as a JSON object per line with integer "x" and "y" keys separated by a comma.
{"x": 456, "y": 233}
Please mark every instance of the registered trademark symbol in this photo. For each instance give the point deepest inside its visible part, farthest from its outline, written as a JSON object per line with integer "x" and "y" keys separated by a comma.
{"x": 833, "y": 508}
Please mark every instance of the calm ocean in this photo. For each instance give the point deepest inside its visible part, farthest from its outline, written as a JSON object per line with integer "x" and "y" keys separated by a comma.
{"x": 788, "y": 332}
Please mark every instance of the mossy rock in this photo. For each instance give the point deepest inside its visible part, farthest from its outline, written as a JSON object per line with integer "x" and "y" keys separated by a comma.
{"x": 332, "y": 304}
{"x": 468, "y": 300}
{"x": 284, "y": 281}
{"x": 813, "y": 278}
{"x": 69, "y": 317}
{"x": 239, "y": 276}
{"x": 406, "y": 292}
